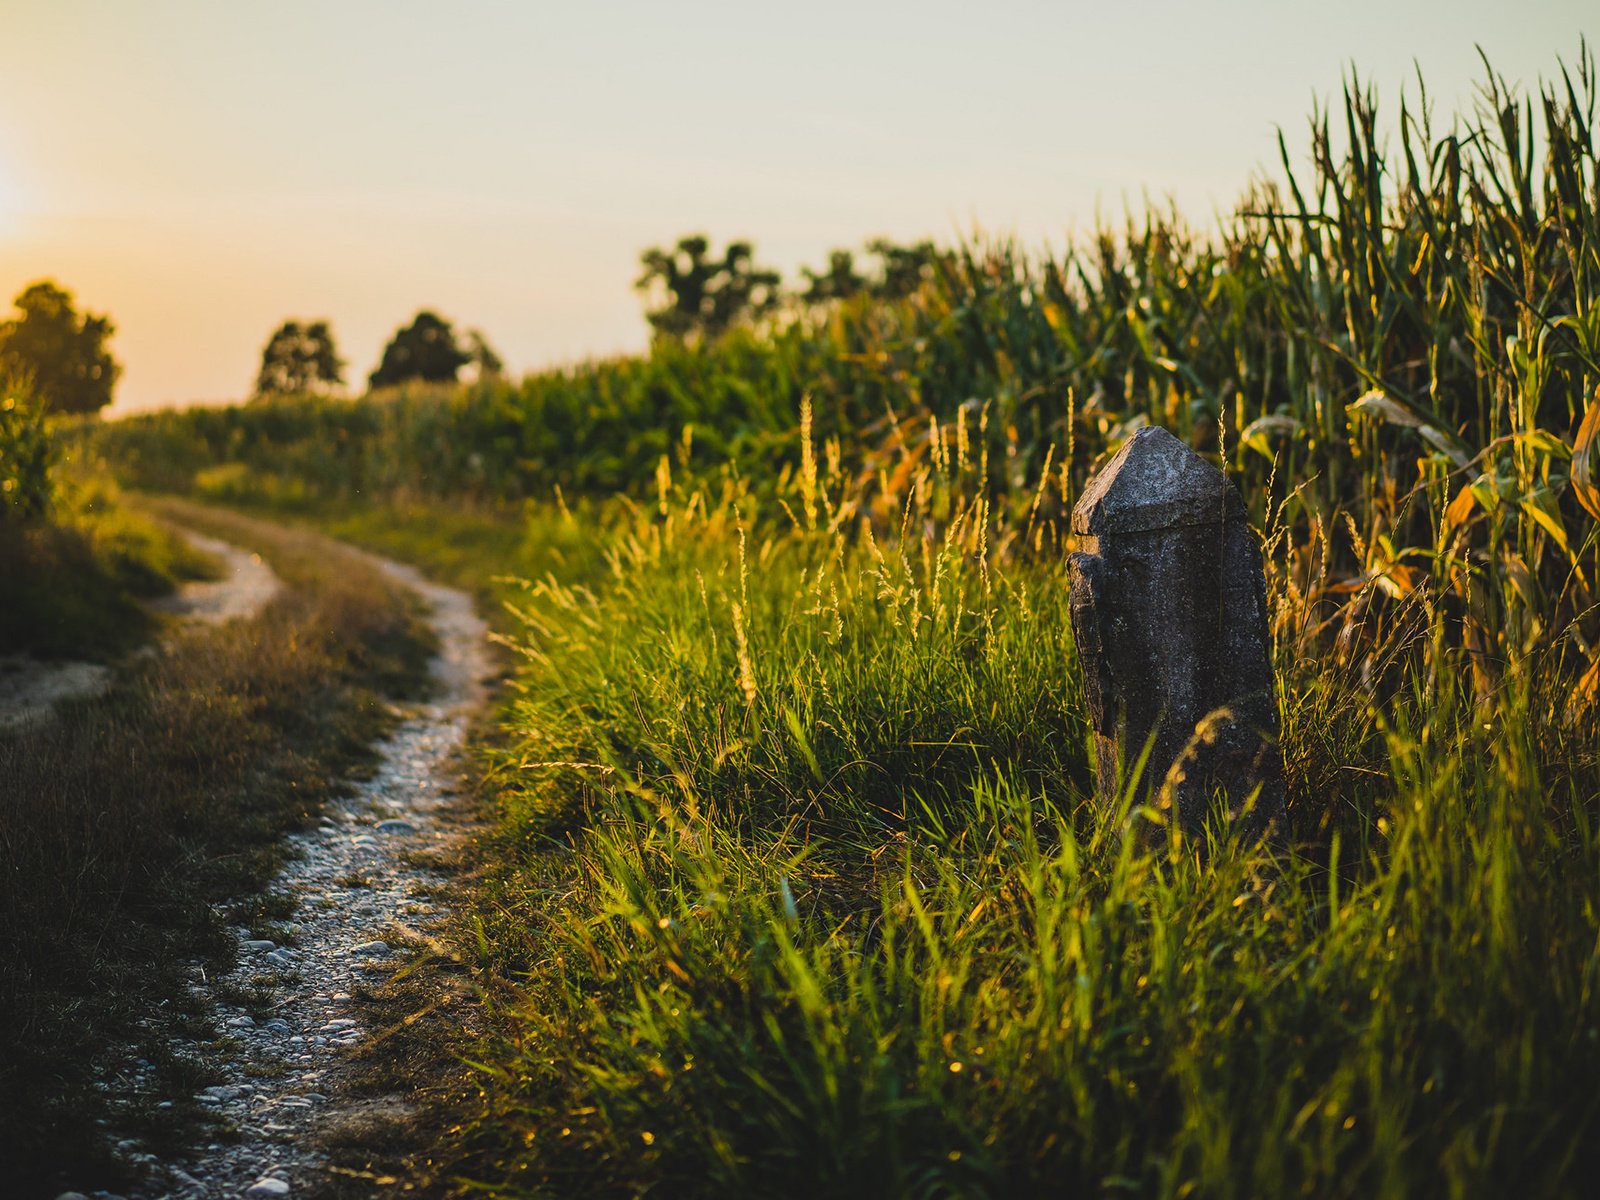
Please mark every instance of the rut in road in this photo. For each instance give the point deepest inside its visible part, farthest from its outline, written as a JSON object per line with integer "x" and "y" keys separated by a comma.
{"x": 358, "y": 893}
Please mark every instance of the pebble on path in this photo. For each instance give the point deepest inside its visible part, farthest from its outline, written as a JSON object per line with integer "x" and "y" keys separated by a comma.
{"x": 267, "y": 1187}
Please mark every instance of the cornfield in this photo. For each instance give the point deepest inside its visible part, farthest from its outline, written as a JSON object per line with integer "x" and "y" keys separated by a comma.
{"x": 1395, "y": 349}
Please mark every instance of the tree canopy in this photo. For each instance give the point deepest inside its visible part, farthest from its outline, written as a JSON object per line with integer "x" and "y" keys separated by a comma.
{"x": 62, "y": 354}
{"x": 903, "y": 269}
{"x": 900, "y": 271}
{"x": 482, "y": 356}
{"x": 699, "y": 295}
{"x": 838, "y": 282}
{"x": 425, "y": 350}
{"x": 694, "y": 294}
{"x": 300, "y": 359}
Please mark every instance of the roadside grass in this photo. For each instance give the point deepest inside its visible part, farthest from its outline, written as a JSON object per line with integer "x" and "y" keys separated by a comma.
{"x": 487, "y": 549}
{"x": 133, "y": 828}
{"x": 803, "y": 894}
{"x": 483, "y": 549}
{"x": 797, "y": 887}
{"x": 70, "y": 585}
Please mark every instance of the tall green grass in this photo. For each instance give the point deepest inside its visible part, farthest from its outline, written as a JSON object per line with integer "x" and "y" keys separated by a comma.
{"x": 826, "y": 905}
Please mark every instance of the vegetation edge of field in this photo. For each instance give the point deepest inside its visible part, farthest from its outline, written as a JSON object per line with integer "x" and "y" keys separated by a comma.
{"x": 604, "y": 902}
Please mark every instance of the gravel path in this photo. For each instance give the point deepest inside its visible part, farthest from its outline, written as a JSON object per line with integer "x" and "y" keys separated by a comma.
{"x": 359, "y": 895}
{"x": 245, "y": 586}
{"x": 30, "y": 689}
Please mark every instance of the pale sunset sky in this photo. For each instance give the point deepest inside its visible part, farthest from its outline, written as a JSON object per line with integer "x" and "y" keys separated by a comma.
{"x": 199, "y": 171}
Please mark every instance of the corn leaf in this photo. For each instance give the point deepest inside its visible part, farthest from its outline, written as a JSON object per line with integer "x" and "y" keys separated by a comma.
{"x": 1583, "y": 447}
{"x": 1541, "y": 506}
{"x": 1460, "y": 509}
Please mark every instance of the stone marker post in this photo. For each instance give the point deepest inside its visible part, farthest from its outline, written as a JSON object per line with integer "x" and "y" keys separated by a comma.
{"x": 1168, "y": 607}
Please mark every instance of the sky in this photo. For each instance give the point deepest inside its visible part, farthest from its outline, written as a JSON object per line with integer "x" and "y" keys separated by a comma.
{"x": 201, "y": 172}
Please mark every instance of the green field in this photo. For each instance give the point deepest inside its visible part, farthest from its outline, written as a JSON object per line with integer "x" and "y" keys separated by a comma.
{"x": 798, "y": 885}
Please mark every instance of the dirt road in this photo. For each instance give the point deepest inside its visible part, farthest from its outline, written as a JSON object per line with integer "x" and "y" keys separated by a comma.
{"x": 360, "y": 894}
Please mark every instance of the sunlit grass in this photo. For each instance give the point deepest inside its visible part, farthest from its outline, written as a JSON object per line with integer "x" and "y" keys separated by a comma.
{"x": 829, "y": 908}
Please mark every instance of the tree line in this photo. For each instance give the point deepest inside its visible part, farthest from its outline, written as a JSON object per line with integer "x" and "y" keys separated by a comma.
{"x": 301, "y": 358}
{"x": 692, "y": 294}
{"x": 61, "y": 357}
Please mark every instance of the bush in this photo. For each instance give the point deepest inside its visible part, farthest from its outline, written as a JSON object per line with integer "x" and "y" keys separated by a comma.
{"x": 26, "y": 456}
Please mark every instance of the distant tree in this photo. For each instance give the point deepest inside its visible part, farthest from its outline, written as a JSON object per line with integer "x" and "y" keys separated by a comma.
{"x": 424, "y": 350}
{"x": 701, "y": 296}
{"x": 900, "y": 271}
{"x": 61, "y": 354}
{"x": 839, "y": 281}
{"x": 903, "y": 269}
{"x": 299, "y": 359}
{"x": 486, "y": 363}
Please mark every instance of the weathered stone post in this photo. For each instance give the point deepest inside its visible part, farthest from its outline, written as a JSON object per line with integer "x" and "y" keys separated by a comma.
{"x": 1168, "y": 606}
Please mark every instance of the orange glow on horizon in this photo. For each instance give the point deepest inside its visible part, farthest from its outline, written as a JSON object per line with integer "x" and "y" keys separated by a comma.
{"x": 199, "y": 172}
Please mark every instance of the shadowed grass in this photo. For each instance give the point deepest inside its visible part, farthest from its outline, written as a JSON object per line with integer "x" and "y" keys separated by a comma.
{"x": 70, "y": 586}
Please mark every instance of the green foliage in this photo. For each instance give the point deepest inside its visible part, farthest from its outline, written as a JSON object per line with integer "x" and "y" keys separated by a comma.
{"x": 425, "y": 351}
{"x": 74, "y": 560}
{"x": 71, "y": 587}
{"x": 901, "y": 271}
{"x": 298, "y": 360}
{"x": 826, "y": 908}
{"x": 904, "y": 269}
{"x": 839, "y": 282}
{"x": 26, "y": 454}
{"x": 62, "y": 355}
{"x": 700, "y": 297}
{"x": 481, "y": 356}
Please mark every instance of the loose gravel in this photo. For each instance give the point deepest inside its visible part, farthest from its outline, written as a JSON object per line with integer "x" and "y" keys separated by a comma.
{"x": 359, "y": 893}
